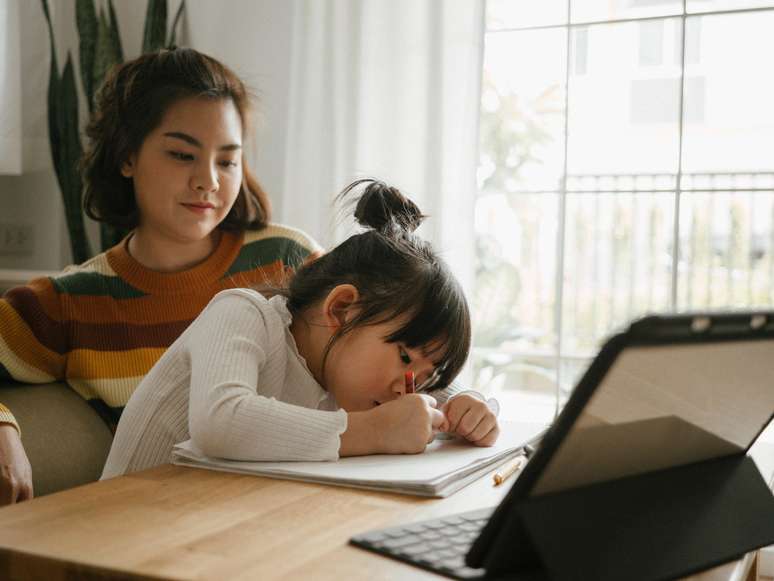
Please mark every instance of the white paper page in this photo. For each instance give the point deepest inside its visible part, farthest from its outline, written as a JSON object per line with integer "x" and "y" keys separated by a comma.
{"x": 441, "y": 458}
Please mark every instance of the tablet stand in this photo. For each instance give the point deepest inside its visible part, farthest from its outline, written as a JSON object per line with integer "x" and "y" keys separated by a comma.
{"x": 657, "y": 525}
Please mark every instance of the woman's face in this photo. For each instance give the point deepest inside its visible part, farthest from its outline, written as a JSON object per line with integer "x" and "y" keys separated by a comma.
{"x": 188, "y": 171}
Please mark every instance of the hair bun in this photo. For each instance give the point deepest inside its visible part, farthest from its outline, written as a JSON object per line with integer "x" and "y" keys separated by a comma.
{"x": 384, "y": 208}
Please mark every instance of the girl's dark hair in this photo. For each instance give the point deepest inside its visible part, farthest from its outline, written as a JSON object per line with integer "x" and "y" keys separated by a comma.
{"x": 397, "y": 275}
{"x": 130, "y": 104}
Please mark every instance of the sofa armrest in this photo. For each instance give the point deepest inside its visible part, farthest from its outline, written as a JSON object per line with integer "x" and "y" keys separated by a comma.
{"x": 66, "y": 441}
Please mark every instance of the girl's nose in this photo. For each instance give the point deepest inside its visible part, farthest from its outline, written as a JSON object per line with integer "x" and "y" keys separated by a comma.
{"x": 398, "y": 388}
{"x": 401, "y": 385}
{"x": 405, "y": 384}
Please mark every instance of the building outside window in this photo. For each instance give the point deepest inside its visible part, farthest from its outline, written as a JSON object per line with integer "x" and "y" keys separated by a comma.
{"x": 626, "y": 167}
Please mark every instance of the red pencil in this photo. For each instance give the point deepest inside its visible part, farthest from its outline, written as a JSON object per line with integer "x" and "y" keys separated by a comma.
{"x": 409, "y": 378}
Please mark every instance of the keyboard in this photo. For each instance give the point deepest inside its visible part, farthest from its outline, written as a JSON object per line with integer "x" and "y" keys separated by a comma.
{"x": 438, "y": 545}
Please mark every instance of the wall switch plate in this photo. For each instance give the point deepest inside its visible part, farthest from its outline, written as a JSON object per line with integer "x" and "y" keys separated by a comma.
{"x": 17, "y": 239}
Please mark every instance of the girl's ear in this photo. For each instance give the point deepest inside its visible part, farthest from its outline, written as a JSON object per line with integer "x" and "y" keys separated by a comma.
{"x": 340, "y": 305}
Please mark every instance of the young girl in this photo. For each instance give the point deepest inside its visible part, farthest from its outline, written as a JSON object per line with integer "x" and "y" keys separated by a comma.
{"x": 317, "y": 372}
{"x": 165, "y": 161}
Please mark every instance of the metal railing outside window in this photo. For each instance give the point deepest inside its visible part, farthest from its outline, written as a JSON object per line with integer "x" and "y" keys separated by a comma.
{"x": 613, "y": 183}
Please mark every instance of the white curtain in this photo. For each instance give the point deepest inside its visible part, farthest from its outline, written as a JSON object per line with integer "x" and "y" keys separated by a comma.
{"x": 10, "y": 89}
{"x": 24, "y": 46}
{"x": 388, "y": 89}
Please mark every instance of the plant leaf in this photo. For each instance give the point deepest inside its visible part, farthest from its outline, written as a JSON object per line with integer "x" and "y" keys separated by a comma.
{"x": 53, "y": 96}
{"x": 115, "y": 34}
{"x": 54, "y": 137}
{"x": 171, "y": 42}
{"x": 86, "y": 19}
{"x": 70, "y": 178}
{"x": 155, "y": 26}
{"x": 50, "y": 29}
{"x": 106, "y": 56}
{"x": 66, "y": 144}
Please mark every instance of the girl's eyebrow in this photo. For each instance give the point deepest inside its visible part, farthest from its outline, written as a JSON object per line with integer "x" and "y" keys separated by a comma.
{"x": 196, "y": 143}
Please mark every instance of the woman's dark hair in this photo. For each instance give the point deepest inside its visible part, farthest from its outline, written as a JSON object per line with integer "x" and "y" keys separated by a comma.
{"x": 130, "y": 104}
{"x": 398, "y": 277}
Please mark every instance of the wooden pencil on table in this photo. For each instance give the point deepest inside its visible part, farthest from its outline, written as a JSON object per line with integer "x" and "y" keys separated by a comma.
{"x": 508, "y": 470}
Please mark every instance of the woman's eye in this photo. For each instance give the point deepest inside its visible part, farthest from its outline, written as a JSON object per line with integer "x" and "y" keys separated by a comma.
{"x": 404, "y": 357}
{"x": 180, "y": 156}
{"x": 228, "y": 163}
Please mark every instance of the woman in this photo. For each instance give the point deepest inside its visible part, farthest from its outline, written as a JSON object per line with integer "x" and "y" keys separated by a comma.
{"x": 164, "y": 160}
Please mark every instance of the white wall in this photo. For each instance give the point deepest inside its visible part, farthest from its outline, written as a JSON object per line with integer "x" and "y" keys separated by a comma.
{"x": 33, "y": 197}
{"x": 251, "y": 37}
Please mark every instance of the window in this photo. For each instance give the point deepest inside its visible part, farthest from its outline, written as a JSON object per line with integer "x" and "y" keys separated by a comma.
{"x": 625, "y": 168}
{"x": 651, "y": 42}
{"x": 580, "y": 50}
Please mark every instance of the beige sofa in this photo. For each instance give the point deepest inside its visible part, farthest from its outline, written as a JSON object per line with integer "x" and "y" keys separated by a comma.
{"x": 66, "y": 440}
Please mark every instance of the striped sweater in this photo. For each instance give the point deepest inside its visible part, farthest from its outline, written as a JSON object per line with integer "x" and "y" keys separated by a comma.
{"x": 101, "y": 326}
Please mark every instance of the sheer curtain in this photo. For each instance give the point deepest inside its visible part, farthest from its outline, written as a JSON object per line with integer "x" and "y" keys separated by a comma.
{"x": 24, "y": 46}
{"x": 10, "y": 89}
{"x": 390, "y": 90}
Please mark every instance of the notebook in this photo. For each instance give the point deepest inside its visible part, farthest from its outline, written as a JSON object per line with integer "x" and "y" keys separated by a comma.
{"x": 443, "y": 468}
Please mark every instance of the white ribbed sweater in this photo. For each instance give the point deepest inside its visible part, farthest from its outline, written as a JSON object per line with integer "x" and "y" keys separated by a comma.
{"x": 235, "y": 384}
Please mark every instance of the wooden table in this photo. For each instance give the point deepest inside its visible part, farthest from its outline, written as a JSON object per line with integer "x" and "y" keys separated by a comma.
{"x": 182, "y": 523}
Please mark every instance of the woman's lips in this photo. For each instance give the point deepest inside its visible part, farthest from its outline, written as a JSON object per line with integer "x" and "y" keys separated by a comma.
{"x": 199, "y": 208}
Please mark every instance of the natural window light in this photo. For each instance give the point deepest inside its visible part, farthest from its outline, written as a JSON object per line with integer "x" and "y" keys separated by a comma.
{"x": 626, "y": 167}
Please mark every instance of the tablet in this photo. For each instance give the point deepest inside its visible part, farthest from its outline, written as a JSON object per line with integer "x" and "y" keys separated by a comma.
{"x": 669, "y": 391}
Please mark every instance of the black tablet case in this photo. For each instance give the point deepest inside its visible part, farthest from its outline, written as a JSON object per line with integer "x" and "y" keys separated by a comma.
{"x": 658, "y": 525}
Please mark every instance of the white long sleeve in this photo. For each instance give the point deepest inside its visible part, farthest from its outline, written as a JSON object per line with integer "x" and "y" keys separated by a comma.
{"x": 228, "y": 418}
{"x": 235, "y": 384}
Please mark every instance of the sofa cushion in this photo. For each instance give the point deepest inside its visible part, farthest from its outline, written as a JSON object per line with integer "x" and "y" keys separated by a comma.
{"x": 65, "y": 439}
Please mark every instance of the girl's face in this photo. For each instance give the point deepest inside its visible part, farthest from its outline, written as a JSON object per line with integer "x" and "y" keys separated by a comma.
{"x": 363, "y": 370}
{"x": 188, "y": 171}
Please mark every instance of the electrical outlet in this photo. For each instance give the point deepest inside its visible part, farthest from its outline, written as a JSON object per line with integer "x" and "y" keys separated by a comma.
{"x": 17, "y": 239}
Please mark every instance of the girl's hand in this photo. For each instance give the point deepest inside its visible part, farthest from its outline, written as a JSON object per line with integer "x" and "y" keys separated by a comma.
{"x": 402, "y": 426}
{"x": 470, "y": 417}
